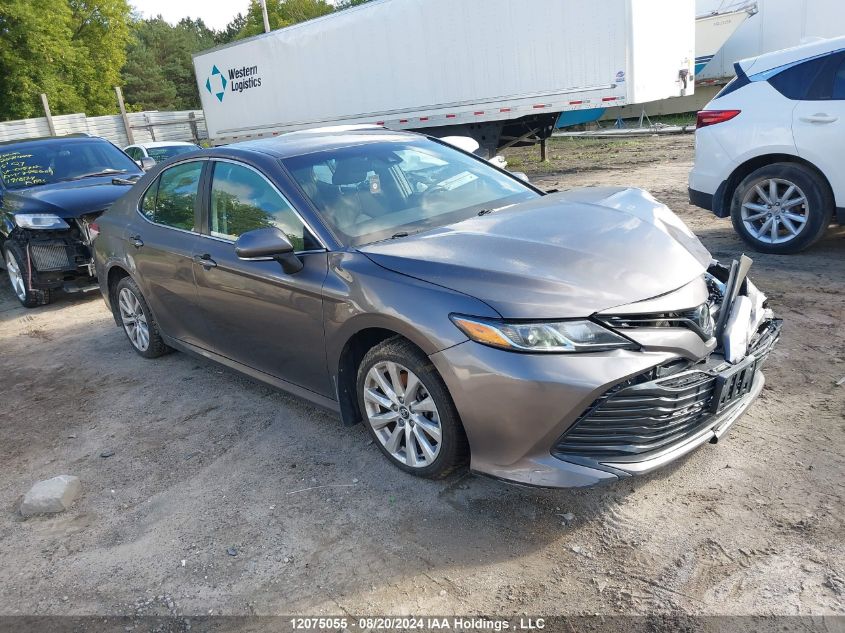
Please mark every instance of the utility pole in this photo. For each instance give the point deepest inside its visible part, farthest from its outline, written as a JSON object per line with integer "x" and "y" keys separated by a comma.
{"x": 48, "y": 114}
{"x": 126, "y": 126}
{"x": 264, "y": 15}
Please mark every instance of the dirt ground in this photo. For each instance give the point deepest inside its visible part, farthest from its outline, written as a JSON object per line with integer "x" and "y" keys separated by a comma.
{"x": 206, "y": 461}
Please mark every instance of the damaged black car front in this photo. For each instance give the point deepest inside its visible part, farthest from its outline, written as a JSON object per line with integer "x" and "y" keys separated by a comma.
{"x": 51, "y": 192}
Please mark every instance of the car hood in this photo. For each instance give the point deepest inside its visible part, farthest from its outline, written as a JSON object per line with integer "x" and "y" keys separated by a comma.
{"x": 66, "y": 199}
{"x": 569, "y": 254}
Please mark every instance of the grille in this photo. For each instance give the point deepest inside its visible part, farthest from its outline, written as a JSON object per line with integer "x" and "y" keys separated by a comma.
{"x": 641, "y": 418}
{"x": 47, "y": 257}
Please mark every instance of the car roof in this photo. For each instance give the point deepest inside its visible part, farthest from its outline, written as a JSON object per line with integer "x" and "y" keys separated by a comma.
{"x": 789, "y": 56}
{"x": 162, "y": 144}
{"x": 321, "y": 139}
{"x": 44, "y": 139}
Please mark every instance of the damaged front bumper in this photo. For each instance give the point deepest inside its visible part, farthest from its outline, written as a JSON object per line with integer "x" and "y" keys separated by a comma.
{"x": 58, "y": 258}
{"x": 568, "y": 420}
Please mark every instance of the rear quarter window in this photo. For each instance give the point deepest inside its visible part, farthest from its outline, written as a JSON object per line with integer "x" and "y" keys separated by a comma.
{"x": 795, "y": 82}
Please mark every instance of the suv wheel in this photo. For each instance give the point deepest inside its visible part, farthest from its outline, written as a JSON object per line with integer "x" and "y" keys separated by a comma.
{"x": 781, "y": 208}
{"x": 138, "y": 322}
{"x": 409, "y": 411}
{"x": 20, "y": 277}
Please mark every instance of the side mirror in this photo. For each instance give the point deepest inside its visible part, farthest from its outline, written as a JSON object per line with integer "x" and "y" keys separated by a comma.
{"x": 269, "y": 243}
{"x": 146, "y": 163}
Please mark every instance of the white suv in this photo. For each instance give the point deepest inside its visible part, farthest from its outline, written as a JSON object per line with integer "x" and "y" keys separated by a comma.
{"x": 770, "y": 147}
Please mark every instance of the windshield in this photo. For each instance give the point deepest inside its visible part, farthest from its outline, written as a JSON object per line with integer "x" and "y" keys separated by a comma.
{"x": 375, "y": 191}
{"x": 29, "y": 164}
{"x": 159, "y": 154}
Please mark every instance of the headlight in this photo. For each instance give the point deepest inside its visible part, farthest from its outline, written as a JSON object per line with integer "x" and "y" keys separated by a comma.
{"x": 560, "y": 336}
{"x": 40, "y": 221}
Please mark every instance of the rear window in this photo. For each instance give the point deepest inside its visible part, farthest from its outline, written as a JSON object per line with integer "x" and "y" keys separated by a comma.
{"x": 159, "y": 154}
{"x": 795, "y": 82}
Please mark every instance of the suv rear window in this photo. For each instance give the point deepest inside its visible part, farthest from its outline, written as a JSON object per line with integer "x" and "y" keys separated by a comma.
{"x": 795, "y": 82}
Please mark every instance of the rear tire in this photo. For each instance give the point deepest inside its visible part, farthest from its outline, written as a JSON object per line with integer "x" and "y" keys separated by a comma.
{"x": 19, "y": 274}
{"x": 137, "y": 320}
{"x": 408, "y": 410}
{"x": 781, "y": 208}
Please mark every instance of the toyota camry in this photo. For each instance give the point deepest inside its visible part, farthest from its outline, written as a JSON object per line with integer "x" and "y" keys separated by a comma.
{"x": 463, "y": 315}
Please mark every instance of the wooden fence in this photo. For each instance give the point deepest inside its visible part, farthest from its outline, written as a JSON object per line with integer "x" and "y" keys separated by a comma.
{"x": 185, "y": 125}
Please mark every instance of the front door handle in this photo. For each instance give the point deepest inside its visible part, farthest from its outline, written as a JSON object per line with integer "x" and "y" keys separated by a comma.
{"x": 205, "y": 261}
{"x": 136, "y": 241}
{"x": 819, "y": 117}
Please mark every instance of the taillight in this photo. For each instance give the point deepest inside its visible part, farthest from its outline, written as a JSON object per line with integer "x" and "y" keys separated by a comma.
{"x": 712, "y": 117}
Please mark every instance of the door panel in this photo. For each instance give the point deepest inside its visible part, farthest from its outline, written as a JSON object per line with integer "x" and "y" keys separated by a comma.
{"x": 254, "y": 312}
{"x": 161, "y": 241}
{"x": 818, "y": 126}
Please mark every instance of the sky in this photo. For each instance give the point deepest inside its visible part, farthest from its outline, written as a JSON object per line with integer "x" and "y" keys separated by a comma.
{"x": 215, "y": 13}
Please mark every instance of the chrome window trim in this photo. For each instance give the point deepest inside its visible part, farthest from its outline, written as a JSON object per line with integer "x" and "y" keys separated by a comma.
{"x": 154, "y": 181}
{"x": 296, "y": 212}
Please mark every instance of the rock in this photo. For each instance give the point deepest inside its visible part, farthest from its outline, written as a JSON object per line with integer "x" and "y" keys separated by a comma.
{"x": 107, "y": 453}
{"x": 576, "y": 549}
{"x": 568, "y": 517}
{"x": 51, "y": 495}
{"x": 442, "y": 593}
{"x": 232, "y": 551}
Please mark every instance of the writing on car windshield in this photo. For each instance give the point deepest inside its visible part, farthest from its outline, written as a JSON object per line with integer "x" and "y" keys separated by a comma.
{"x": 375, "y": 191}
{"x": 20, "y": 169}
{"x": 33, "y": 164}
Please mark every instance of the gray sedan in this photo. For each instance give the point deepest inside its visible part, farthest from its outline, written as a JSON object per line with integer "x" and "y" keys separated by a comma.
{"x": 463, "y": 315}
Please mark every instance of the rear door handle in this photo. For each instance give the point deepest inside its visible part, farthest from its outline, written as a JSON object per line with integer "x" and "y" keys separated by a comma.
{"x": 136, "y": 241}
{"x": 819, "y": 117}
{"x": 205, "y": 261}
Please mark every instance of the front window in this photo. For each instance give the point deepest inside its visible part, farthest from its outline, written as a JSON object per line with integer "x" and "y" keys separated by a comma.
{"x": 375, "y": 191}
{"x": 40, "y": 163}
{"x": 243, "y": 200}
{"x": 159, "y": 154}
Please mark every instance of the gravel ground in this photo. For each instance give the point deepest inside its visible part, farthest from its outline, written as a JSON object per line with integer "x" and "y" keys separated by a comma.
{"x": 224, "y": 495}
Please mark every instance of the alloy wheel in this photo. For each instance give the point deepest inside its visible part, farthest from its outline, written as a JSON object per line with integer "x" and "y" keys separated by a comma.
{"x": 134, "y": 320}
{"x": 775, "y": 211}
{"x": 15, "y": 276}
{"x": 402, "y": 414}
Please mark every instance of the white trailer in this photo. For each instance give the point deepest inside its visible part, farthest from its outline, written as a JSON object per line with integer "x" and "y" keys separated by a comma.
{"x": 497, "y": 70}
{"x": 778, "y": 24}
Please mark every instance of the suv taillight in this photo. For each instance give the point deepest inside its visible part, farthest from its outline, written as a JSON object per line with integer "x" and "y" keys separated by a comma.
{"x": 712, "y": 117}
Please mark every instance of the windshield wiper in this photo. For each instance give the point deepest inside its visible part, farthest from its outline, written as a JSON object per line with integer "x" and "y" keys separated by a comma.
{"x": 485, "y": 211}
{"x": 126, "y": 181}
{"x": 396, "y": 236}
{"x": 105, "y": 172}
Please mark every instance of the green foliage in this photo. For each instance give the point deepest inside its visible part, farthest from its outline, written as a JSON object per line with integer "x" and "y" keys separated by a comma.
{"x": 282, "y": 13}
{"x": 72, "y": 50}
{"x": 159, "y": 72}
{"x": 100, "y": 36}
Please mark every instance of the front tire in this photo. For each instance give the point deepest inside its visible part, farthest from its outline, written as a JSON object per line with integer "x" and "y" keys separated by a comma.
{"x": 781, "y": 208}
{"x": 20, "y": 276}
{"x": 408, "y": 410}
{"x": 138, "y": 321}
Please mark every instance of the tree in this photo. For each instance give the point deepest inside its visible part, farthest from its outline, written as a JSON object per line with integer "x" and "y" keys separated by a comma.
{"x": 72, "y": 50}
{"x": 348, "y": 4}
{"x": 35, "y": 57}
{"x": 281, "y": 13}
{"x": 100, "y": 36}
{"x": 230, "y": 33}
{"x": 159, "y": 71}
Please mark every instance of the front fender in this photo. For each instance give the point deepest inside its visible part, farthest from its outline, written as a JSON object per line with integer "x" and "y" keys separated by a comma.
{"x": 359, "y": 294}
